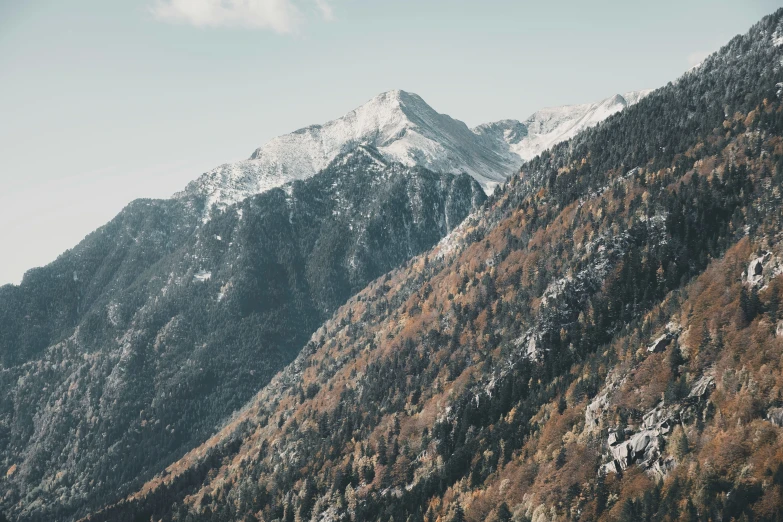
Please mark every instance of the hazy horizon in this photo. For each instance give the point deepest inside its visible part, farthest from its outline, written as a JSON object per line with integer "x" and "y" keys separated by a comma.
{"x": 106, "y": 103}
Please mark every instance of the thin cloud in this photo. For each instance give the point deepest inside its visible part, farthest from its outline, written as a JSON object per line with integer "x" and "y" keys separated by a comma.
{"x": 280, "y": 16}
{"x": 326, "y": 10}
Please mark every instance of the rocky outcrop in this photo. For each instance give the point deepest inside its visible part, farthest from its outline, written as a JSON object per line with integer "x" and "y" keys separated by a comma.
{"x": 662, "y": 341}
{"x": 595, "y": 410}
{"x": 775, "y": 416}
{"x": 701, "y": 388}
{"x": 660, "y": 344}
{"x": 644, "y": 446}
{"x": 761, "y": 269}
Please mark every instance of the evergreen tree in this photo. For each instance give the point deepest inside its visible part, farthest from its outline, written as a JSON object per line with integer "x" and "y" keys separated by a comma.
{"x": 683, "y": 448}
{"x": 774, "y": 303}
{"x": 458, "y": 515}
{"x": 382, "y": 451}
{"x": 503, "y": 513}
{"x": 601, "y": 493}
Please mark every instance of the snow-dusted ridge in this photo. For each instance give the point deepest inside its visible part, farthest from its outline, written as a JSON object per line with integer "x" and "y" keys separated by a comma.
{"x": 550, "y": 126}
{"x": 404, "y": 129}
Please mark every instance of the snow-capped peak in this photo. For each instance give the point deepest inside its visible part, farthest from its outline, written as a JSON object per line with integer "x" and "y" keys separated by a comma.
{"x": 404, "y": 129}
{"x": 551, "y": 125}
{"x": 400, "y": 125}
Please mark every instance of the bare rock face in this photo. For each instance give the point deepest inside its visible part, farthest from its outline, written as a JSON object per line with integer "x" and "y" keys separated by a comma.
{"x": 660, "y": 344}
{"x": 702, "y": 387}
{"x": 662, "y": 341}
{"x": 762, "y": 269}
{"x": 775, "y": 416}
{"x": 643, "y": 446}
{"x": 594, "y": 411}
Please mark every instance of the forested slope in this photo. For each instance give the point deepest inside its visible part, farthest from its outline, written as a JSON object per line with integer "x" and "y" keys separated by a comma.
{"x": 131, "y": 348}
{"x": 601, "y": 342}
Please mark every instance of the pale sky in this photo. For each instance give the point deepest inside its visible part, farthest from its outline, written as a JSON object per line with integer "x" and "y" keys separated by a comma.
{"x": 104, "y": 101}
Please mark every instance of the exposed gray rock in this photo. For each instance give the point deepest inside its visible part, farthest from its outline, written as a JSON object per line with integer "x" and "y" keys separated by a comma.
{"x": 762, "y": 269}
{"x": 528, "y": 343}
{"x": 660, "y": 344}
{"x": 775, "y": 416}
{"x": 671, "y": 332}
{"x": 595, "y": 410}
{"x": 754, "y": 275}
{"x": 662, "y": 466}
{"x": 658, "y": 416}
{"x": 644, "y": 447}
{"x": 702, "y": 387}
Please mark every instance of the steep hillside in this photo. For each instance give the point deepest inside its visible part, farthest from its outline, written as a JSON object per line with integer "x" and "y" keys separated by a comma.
{"x": 602, "y": 342}
{"x": 131, "y": 348}
{"x": 404, "y": 129}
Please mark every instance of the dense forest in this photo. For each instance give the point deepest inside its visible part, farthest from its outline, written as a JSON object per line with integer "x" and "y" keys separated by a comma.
{"x": 132, "y": 347}
{"x": 602, "y": 341}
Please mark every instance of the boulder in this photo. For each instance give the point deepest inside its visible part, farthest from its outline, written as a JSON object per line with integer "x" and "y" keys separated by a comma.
{"x": 702, "y": 387}
{"x": 612, "y": 466}
{"x": 762, "y": 269}
{"x": 775, "y": 416}
{"x": 640, "y": 447}
{"x": 660, "y": 343}
{"x": 662, "y": 466}
{"x": 594, "y": 411}
{"x": 754, "y": 275}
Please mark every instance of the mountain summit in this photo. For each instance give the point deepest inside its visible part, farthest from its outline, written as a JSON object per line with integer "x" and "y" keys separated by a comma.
{"x": 406, "y": 130}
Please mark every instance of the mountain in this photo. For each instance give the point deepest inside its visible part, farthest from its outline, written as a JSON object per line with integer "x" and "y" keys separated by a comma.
{"x": 404, "y": 129}
{"x": 550, "y": 126}
{"x": 601, "y": 341}
{"x": 132, "y": 347}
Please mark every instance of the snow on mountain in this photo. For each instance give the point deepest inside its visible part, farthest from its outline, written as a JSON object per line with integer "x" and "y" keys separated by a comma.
{"x": 398, "y": 124}
{"x": 404, "y": 129}
{"x": 550, "y": 126}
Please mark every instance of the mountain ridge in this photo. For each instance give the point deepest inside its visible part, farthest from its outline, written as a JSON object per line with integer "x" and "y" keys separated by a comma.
{"x": 405, "y": 129}
{"x": 131, "y": 347}
{"x": 602, "y": 341}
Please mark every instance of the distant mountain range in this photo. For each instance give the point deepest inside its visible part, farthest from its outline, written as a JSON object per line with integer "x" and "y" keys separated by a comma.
{"x": 404, "y": 129}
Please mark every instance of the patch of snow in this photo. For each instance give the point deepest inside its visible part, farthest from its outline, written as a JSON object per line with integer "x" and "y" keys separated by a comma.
{"x": 550, "y": 126}
{"x": 777, "y": 37}
{"x": 112, "y": 312}
{"x": 202, "y": 276}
